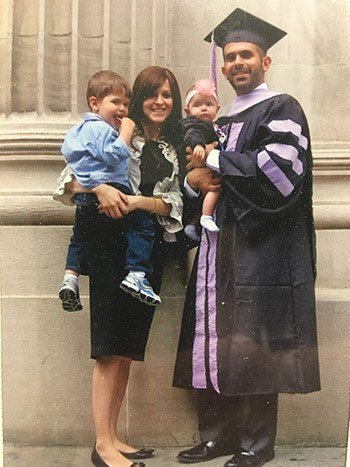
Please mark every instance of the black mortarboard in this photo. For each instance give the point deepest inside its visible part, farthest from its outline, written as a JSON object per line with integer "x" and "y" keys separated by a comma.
{"x": 241, "y": 26}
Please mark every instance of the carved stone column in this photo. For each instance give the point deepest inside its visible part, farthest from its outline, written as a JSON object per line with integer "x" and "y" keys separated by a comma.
{"x": 48, "y": 50}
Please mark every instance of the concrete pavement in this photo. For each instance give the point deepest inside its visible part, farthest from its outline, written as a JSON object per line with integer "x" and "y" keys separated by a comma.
{"x": 63, "y": 456}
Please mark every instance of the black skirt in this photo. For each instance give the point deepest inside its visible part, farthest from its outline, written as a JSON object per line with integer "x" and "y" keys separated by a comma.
{"x": 119, "y": 323}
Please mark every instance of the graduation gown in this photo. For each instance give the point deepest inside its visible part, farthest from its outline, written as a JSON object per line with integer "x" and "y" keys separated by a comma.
{"x": 249, "y": 324}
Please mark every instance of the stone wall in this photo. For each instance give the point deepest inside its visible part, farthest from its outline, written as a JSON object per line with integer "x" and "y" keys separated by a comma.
{"x": 47, "y": 51}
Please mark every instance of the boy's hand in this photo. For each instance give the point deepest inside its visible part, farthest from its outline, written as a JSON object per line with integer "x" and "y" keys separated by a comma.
{"x": 127, "y": 124}
{"x": 113, "y": 202}
{"x": 126, "y": 130}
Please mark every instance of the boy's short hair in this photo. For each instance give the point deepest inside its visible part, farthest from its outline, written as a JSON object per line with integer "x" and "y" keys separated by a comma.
{"x": 105, "y": 82}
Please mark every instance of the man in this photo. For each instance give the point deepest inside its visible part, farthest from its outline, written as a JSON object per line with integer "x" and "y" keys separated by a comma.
{"x": 249, "y": 326}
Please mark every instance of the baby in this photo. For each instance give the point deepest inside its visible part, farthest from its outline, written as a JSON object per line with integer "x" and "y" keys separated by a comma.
{"x": 198, "y": 129}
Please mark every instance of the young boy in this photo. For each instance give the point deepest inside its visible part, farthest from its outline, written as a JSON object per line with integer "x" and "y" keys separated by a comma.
{"x": 97, "y": 152}
{"x": 198, "y": 129}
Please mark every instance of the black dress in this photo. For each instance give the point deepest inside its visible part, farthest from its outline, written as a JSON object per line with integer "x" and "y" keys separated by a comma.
{"x": 120, "y": 324}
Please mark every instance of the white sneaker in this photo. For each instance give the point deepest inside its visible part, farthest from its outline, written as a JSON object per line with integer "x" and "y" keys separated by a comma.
{"x": 140, "y": 288}
{"x": 69, "y": 294}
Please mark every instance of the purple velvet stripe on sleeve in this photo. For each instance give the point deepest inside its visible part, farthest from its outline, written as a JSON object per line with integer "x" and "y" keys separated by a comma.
{"x": 199, "y": 380}
{"x": 289, "y": 126}
{"x": 274, "y": 173}
{"x": 289, "y": 153}
{"x": 284, "y": 151}
{"x": 212, "y": 310}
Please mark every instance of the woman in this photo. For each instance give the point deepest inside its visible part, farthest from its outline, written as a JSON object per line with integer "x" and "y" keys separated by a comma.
{"x": 119, "y": 323}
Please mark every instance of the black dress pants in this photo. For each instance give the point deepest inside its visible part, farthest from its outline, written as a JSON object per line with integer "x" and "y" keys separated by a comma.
{"x": 246, "y": 423}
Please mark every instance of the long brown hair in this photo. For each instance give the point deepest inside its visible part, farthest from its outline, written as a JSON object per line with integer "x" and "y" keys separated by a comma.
{"x": 146, "y": 84}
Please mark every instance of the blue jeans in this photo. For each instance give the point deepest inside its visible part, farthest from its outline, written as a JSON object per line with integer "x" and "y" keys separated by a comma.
{"x": 139, "y": 233}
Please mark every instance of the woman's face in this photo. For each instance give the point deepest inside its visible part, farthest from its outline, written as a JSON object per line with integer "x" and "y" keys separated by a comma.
{"x": 158, "y": 107}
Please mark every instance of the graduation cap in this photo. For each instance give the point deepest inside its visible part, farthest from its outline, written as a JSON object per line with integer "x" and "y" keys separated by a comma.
{"x": 241, "y": 26}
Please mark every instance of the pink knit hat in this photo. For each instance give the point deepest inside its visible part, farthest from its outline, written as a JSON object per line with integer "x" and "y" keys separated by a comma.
{"x": 202, "y": 86}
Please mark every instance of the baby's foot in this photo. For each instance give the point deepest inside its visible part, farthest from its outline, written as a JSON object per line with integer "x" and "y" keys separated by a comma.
{"x": 208, "y": 223}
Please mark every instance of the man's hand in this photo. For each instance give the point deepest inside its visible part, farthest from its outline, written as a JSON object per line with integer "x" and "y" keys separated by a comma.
{"x": 204, "y": 179}
{"x": 198, "y": 159}
{"x": 113, "y": 202}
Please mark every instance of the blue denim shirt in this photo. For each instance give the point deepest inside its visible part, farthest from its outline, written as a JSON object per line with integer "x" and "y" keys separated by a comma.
{"x": 95, "y": 153}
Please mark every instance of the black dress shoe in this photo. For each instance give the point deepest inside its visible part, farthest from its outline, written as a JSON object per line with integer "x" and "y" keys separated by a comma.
{"x": 140, "y": 454}
{"x": 204, "y": 452}
{"x": 249, "y": 459}
{"x": 97, "y": 460}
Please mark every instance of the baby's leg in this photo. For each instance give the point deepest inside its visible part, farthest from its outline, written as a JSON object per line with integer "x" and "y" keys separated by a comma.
{"x": 209, "y": 204}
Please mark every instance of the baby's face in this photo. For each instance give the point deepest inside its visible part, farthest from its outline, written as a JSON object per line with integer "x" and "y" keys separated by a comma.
{"x": 203, "y": 107}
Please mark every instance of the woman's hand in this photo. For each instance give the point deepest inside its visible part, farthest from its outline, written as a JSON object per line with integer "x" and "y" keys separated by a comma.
{"x": 198, "y": 159}
{"x": 204, "y": 179}
{"x": 113, "y": 202}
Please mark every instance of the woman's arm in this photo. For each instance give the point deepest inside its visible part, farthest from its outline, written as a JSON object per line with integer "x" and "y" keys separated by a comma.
{"x": 149, "y": 204}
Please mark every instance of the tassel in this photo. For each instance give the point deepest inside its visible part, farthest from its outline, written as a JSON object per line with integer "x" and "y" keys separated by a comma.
{"x": 212, "y": 72}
